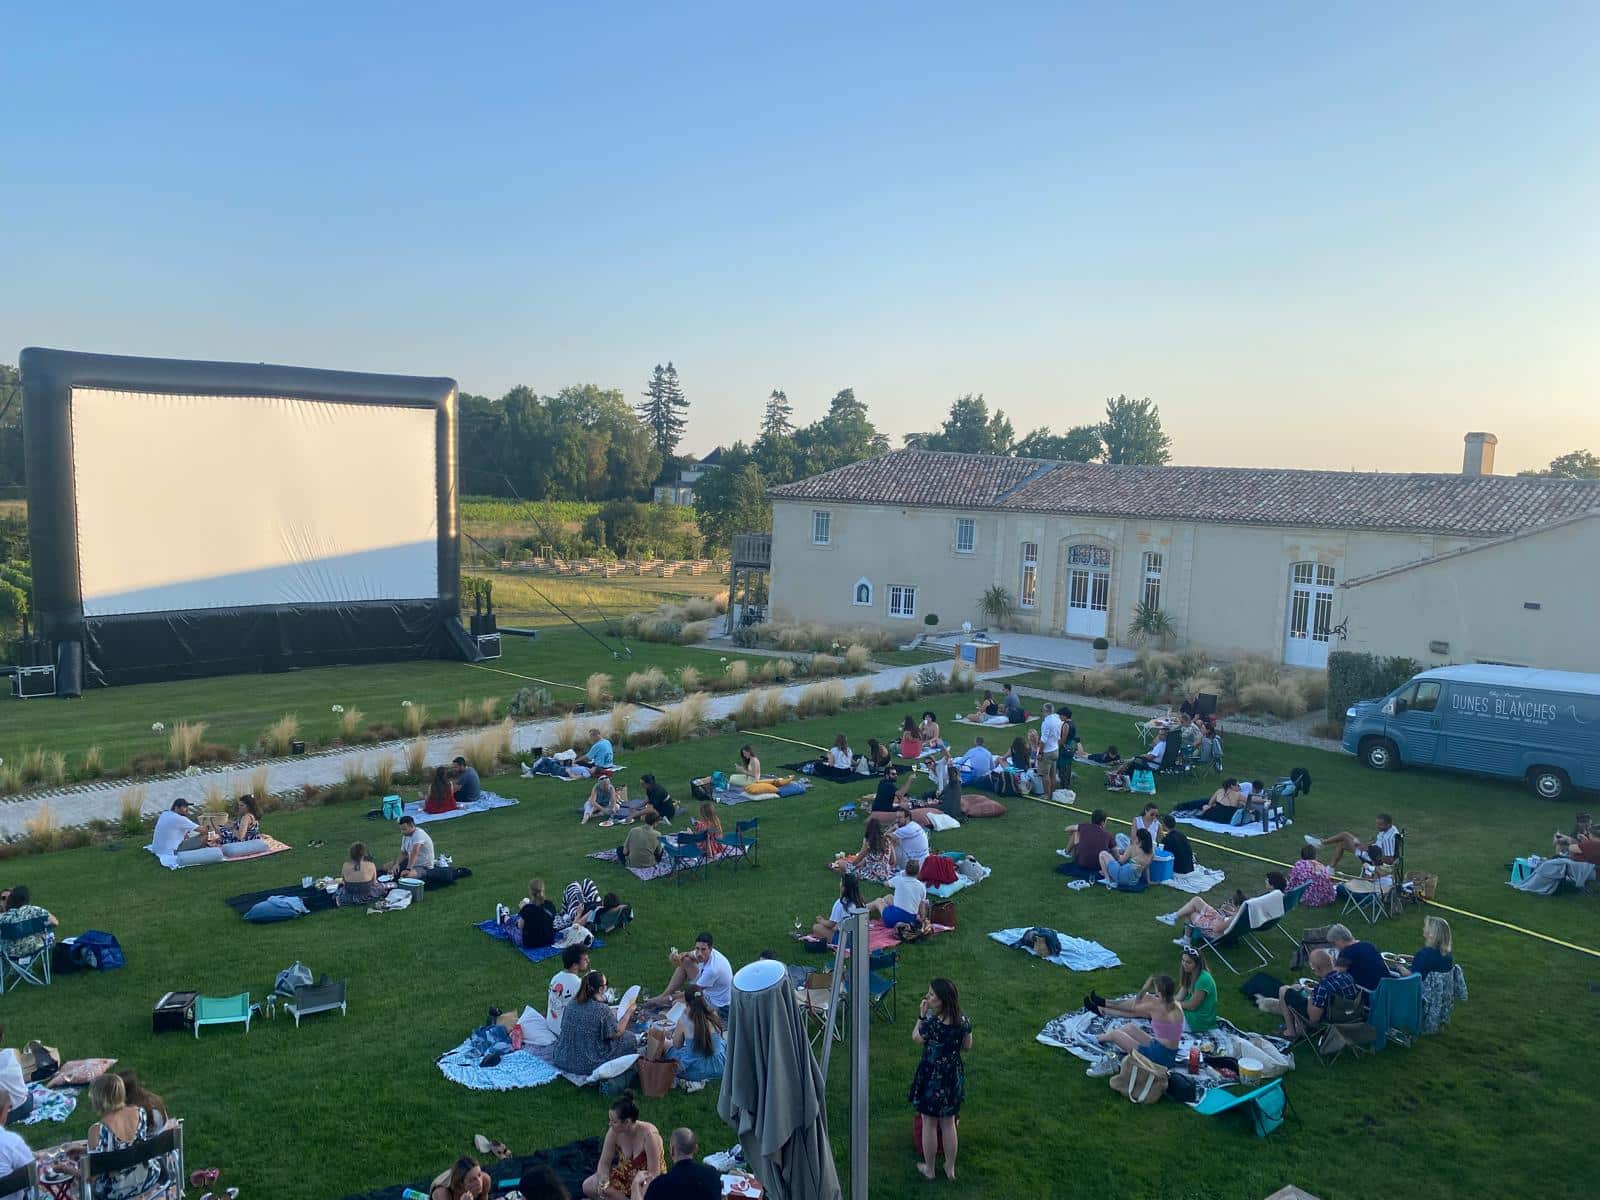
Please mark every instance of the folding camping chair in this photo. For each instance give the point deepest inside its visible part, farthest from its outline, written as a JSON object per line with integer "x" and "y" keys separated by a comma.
{"x": 1267, "y": 1105}
{"x": 1366, "y": 898}
{"x": 1343, "y": 1028}
{"x": 25, "y": 966}
{"x": 1394, "y": 1010}
{"x": 1291, "y": 901}
{"x": 317, "y": 998}
{"x": 24, "y": 1181}
{"x": 166, "y": 1146}
{"x": 815, "y": 998}
{"x": 743, "y": 836}
{"x": 1255, "y": 913}
{"x": 222, "y": 1010}
{"x": 883, "y": 980}
{"x": 688, "y": 854}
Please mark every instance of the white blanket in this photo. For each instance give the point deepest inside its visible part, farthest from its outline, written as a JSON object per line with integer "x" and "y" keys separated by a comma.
{"x": 1201, "y": 879}
{"x": 1252, "y": 829}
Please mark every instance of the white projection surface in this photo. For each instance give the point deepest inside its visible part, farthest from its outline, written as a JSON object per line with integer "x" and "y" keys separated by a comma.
{"x": 193, "y": 502}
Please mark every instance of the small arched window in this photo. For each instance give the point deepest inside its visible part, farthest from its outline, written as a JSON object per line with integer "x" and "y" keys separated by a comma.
{"x": 863, "y": 592}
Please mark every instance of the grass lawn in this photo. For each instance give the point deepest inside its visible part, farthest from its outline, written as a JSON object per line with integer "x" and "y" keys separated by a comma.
{"x": 1490, "y": 1107}
{"x": 237, "y": 708}
{"x": 525, "y": 599}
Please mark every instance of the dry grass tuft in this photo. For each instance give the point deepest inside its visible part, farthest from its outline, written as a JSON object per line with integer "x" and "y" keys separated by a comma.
{"x": 1314, "y": 688}
{"x": 645, "y": 685}
{"x": 856, "y": 658}
{"x": 414, "y": 719}
{"x": 597, "y": 689}
{"x": 184, "y": 740}
{"x": 1282, "y": 699}
{"x": 488, "y": 710}
{"x": 821, "y": 699}
{"x": 383, "y": 773}
{"x": 354, "y": 770}
{"x": 737, "y": 675}
{"x": 564, "y": 735}
{"x": 350, "y": 723}
{"x": 682, "y": 720}
{"x": 280, "y": 733}
{"x": 689, "y": 679}
{"x": 617, "y": 727}
{"x": 487, "y": 747}
{"x": 130, "y": 806}
{"x": 55, "y": 768}
{"x": 43, "y": 828}
{"x": 31, "y": 769}
{"x": 863, "y": 696}
{"x": 93, "y": 763}
{"x": 416, "y": 757}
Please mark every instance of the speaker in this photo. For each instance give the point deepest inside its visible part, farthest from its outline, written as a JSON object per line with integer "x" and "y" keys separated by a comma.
{"x": 31, "y": 682}
{"x": 489, "y": 645}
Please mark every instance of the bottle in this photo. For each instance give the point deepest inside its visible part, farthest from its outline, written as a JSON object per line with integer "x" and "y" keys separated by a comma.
{"x": 1194, "y": 1059}
{"x": 413, "y": 1194}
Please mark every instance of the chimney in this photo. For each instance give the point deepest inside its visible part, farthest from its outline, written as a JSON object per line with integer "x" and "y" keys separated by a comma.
{"x": 1479, "y": 458}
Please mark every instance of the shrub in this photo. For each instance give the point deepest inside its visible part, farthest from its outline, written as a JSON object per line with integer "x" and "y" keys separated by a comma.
{"x": 43, "y": 828}
{"x": 689, "y": 679}
{"x": 131, "y": 810}
{"x": 275, "y": 740}
{"x": 354, "y": 769}
{"x": 746, "y": 637}
{"x": 863, "y": 696}
{"x": 1353, "y": 676}
{"x": 1195, "y": 684}
{"x": 821, "y": 699}
{"x": 1155, "y": 669}
{"x": 350, "y": 723}
{"x": 645, "y": 685}
{"x": 1314, "y": 688}
{"x": 791, "y": 668}
{"x": 930, "y": 679}
{"x": 737, "y": 674}
{"x": 413, "y": 718}
{"x": 31, "y": 769}
{"x": 1100, "y": 643}
{"x": 597, "y": 689}
{"x": 1251, "y": 668}
{"x": 1101, "y": 682}
{"x": 1282, "y": 699}
{"x": 617, "y": 728}
{"x": 564, "y": 734}
{"x": 466, "y": 712}
{"x": 698, "y": 608}
{"x": 767, "y": 672}
{"x": 909, "y": 688}
{"x": 682, "y": 720}
{"x": 55, "y": 768}
{"x": 825, "y": 666}
{"x": 383, "y": 773}
{"x": 1193, "y": 661}
{"x": 93, "y": 766}
{"x": 931, "y": 620}
{"x": 416, "y": 757}
{"x": 962, "y": 679}
{"x": 694, "y": 632}
{"x": 856, "y": 658}
{"x": 10, "y": 778}
{"x": 530, "y": 702}
{"x": 747, "y": 713}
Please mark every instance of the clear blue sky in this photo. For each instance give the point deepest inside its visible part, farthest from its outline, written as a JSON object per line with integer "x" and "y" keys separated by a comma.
{"x": 1313, "y": 237}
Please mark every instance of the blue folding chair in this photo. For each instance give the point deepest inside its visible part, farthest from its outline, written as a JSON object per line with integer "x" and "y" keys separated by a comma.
{"x": 25, "y": 966}
{"x": 688, "y": 854}
{"x": 744, "y": 837}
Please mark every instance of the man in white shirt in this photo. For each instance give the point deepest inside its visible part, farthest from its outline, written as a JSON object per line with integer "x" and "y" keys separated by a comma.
{"x": 1380, "y": 850}
{"x": 175, "y": 831}
{"x": 14, "y": 1152}
{"x": 416, "y": 852}
{"x": 976, "y": 764}
{"x": 1049, "y": 747}
{"x": 565, "y": 983}
{"x": 704, "y": 965}
{"x": 907, "y": 903}
{"x": 910, "y": 840}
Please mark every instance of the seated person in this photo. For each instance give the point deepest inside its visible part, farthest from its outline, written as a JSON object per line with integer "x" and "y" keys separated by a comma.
{"x": 630, "y": 1158}
{"x": 536, "y": 918}
{"x": 910, "y": 738}
{"x": 19, "y": 906}
{"x": 1011, "y": 703}
{"x": 564, "y": 984}
{"x": 1361, "y": 959}
{"x": 1020, "y": 758}
{"x": 416, "y": 852}
{"x": 1198, "y": 914}
{"x": 891, "y": 794}
{"x": 581, "y": 904}
{"x": 874, "y": 862}
{"x": 986, "y": 708}
{"x": 696, "y": 1042}
{"x": 838, "y": 756}
{"x": 601, "y": 756}
{"x": 947, "y": 781}
{"x": 14, "y": 1093}
{"x": 686, "y": 1179}
{"x": 602, "y": 802}
{"x": 1320, "y": 889}
{"x": 1109, "y": 757}
{"x": 657, "y": 797}
{"x": 879, "y": 757}
{"x": 140, "y": 1096}
{"x": 1149, "y": 820}
{"x": 1380, "y": 850}
{"x": 1189, "y": 732}
{"x": 468, "y": 787}
{"x": 563, "y": 765}
{"x": 1176, "y": 843}
{"x": 1581, "y": 845}
{"x": 849, "y": 897}
{"x": 1197, "y": 992}
{"x": 1333, "y": 999}
{"x": 1224, "y": 802}
{"x": 1126, "y": 868}
{"x": 1435, "y": 953}
{"x": 1190, "y": 706}
{"x": 120, "y": 1126}
{"x": 358, "y": 879}
{"x": 14, "y": 1152}
{"x": 710, "y": 824}
{"x": 749, "y": 762}
{"x": 465, "y": 1180}
{"x": 591, "y": 1033}
{"x": 441, "y": 796}
{"x": 704, "y": 965}
{"x": 608, "y": 904}
{"x": 1157, "y": 1003}
{"x": 907, "y": 903}
{"x": 641, "y": 849}
{"x": 1149, "y": 761}
{"x": 175, "y": 832}
{"x": 243, "y": 828}
{"x": 928, "y": 731}
{"x": 1088, "y": 840}
{"x": 909, "y": 838}
{"x": 977, "y": 764}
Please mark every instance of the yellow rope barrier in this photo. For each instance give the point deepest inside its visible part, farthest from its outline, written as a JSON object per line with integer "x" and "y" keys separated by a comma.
{"x": 530, "y": 678}
{"x": 776, "y": 738}
{"x": 1460, "y": 912}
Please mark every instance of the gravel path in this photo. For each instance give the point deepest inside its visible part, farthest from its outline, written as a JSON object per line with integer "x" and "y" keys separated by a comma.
{"x": 81, "y": 804}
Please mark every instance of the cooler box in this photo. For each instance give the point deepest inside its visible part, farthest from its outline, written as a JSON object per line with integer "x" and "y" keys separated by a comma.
{"x": 1161, "y": 867}
{"x": 983, "y": 656}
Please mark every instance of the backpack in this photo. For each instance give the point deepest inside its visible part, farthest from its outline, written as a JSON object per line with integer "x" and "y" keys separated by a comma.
{"x": 296, "y": 975}
{"x": 97, "y": 950}
{"x": 1031, "y": 938}
{"x": 1142, "y": 780}
{"x": 393, "y": 808}
{"x": 1140, "y": 1080}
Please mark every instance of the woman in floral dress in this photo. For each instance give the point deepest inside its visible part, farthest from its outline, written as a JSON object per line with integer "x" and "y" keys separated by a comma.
{"x": 940, "y": 1082}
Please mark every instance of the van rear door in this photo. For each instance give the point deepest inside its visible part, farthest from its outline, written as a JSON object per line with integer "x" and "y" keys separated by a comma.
{"x": 1415, "y": 722}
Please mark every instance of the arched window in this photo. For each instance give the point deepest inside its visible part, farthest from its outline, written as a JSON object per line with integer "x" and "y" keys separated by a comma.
{"x": 863, "y": 592}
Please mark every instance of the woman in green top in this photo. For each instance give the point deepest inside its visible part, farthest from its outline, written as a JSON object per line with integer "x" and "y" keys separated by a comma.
{"x": 1197, "y": 992}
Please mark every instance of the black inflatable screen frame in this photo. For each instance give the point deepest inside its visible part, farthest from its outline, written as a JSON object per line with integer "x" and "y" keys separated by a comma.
{"x": 145, "y": 647}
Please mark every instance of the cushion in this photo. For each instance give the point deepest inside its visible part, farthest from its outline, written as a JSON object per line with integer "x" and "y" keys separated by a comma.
{"x": 244, "y": 849}
{"x": 921, "y": 815}
{"x": 761, "y": 787}
{"x": 792, "y": 789}
{"x": 80, "y": 1072}
{"x": 199, "y": 858}
{"x": 981, "y": 806}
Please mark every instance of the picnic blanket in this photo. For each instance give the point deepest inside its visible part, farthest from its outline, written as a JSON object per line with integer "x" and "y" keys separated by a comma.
{"x": 484, "y": 803}
{"x": 1550, "y": 874}
{"x": 572, "y": 1164}
{"x": 1077, "y": 954}
{"x": 1250, "y": 829}
{"x": 881, "y": 937}
{"x": 817, "y": 769}
{"x": 994, "y": 722}
{"x": 1201, "y": 879}
{"x": 538, "y": 954}
{"x": 216, "y": 854}
{"x": 664, "y": 867}
{"x": 943, "y": 891}
{"x": 49, "y": 1105}
{"x": 516, "y": 1069}
{"x": 737, "y": 795}
{"x": 1075, "y": 1033}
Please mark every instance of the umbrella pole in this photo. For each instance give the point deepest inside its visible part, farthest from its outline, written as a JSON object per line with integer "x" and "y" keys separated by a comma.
{"x": 861, "y": 1019}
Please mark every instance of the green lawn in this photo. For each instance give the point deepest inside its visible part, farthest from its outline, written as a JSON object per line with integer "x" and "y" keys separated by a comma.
{"x": 1501, "y": 1104}
{"x": 237, "y": 708}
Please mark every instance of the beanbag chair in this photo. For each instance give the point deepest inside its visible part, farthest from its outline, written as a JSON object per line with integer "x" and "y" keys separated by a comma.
{"x": 204, "y": 856}
{"x": 981, "y": 806}
{"x": 244, "y": 849}
{"x": 936, "y": 870}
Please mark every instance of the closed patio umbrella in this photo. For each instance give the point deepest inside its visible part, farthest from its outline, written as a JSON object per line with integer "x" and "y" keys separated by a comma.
{"x": 772, "y": 1089}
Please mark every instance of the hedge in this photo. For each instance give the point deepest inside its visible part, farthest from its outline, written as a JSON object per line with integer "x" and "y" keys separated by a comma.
{"x": 1356, "y": 676}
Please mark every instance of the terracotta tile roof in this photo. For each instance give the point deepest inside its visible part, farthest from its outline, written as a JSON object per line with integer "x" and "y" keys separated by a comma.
{"x": 1470, "y": 505}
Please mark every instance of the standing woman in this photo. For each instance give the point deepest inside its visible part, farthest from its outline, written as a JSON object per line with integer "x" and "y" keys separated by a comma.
{"x": 940, "y": 1083}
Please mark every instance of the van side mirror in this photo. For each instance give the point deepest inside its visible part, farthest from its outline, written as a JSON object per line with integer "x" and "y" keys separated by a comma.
{"x": 1388, "y": 709}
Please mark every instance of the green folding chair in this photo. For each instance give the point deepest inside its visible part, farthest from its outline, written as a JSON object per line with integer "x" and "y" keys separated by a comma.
{"x": 222, "y": 1010}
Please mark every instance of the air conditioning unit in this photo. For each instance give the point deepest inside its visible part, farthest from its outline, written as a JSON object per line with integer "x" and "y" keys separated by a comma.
{"x": 29, "y": 683}
{"x": 489, "y": 645}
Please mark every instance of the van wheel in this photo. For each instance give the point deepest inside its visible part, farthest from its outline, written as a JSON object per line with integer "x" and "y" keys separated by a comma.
{"x": 1548, "y": 783}
{"x": 1380, "y": 754}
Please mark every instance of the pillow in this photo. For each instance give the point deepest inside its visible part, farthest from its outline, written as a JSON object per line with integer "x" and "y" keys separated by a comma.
{"x": 981, "y": 806}
{"x": 205, "y": 856}
{"x": 792, "y": 789}
{"x": 277, "y": 908}
{"x": 761, "y": 787}
{"x": 922, "y": 816}
{"x": 244, "y": 849}
{"x": 80, "y": 1072}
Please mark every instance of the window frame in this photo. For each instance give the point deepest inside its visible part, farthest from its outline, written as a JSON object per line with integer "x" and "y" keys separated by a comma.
{"x": 823, "y": 518}
{"x": 1028, "y": 596}
{"x": 855, "y": 592}
{"x": 972, "y": 526}
{"x": 1150, "y": 583}
{"x": 902, "y": 590}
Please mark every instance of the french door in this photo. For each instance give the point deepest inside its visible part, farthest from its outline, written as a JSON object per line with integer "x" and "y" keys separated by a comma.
{"x": 1310, "y": 615}
{"x": 1088, "y": 590}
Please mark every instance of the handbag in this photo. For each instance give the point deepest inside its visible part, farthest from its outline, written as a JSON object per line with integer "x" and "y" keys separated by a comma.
{"x": 656, "y": 1076}
{"x": 1424, "y": 884}
{"x": 943, "y": 913}
{"x": 1140, "y": 1080}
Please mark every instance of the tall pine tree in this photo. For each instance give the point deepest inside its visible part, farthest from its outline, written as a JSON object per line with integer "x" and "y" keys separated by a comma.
{"x": 775, "y": 422}
{"x": 663, "y": 409}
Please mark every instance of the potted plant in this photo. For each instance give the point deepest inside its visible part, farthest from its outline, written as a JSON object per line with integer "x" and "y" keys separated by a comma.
{"x": 1150, "y": 624}
{"x": 996, "y": 605}
{"x": 1100, "y": 648}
